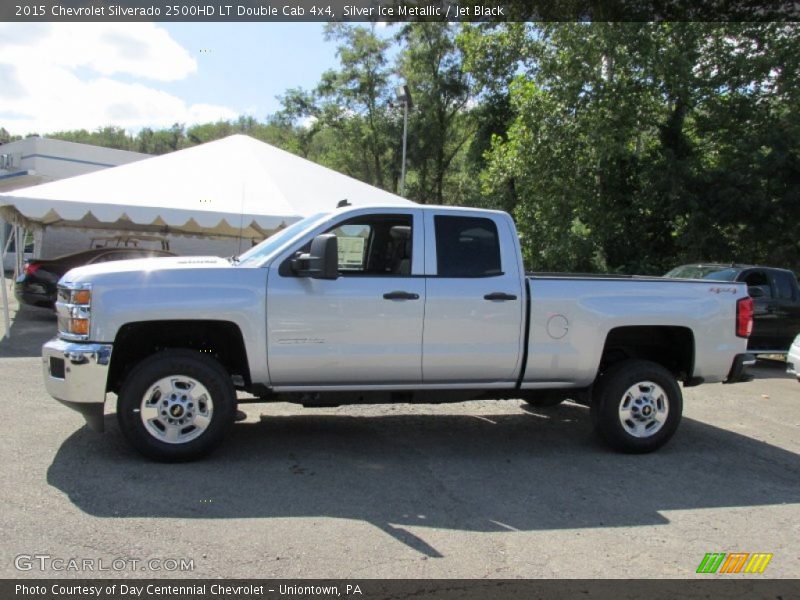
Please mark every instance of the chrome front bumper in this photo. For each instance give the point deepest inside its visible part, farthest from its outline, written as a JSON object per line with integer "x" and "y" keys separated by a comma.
{"x": 76, "y": 374}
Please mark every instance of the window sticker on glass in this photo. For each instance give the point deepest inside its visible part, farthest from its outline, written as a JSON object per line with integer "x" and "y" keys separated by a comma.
{"x": 351, "y": 252}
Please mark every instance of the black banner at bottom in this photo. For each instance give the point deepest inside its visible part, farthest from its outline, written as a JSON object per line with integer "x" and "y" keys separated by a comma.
{"x": 379, "y": 589}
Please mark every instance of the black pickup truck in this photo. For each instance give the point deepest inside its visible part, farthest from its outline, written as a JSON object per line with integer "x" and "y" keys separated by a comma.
{"x": 776, "y": 299}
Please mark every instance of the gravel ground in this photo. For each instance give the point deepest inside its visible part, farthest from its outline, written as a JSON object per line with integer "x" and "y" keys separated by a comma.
{"x": 478, "y": 490}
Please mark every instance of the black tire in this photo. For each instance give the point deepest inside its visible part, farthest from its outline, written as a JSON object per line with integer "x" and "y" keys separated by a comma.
{"x": 611, "y": 394}
{"x": 183, "y": 365}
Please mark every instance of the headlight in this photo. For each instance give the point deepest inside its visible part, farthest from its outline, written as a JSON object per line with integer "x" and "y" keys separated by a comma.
{"x": 83, "y": 297}
{"x": 74, "y": 309}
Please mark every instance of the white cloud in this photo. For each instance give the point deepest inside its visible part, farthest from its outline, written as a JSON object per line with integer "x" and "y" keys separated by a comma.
{"x": 308, "y": 122}
{"x": 88, "y": 75}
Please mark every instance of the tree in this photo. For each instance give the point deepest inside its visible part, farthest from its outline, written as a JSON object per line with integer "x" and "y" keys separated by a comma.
{"x": 431, "y": 65}
{"x": 635, "y": 146}
{"x": 353, "y": 101}
{"x": 492, "y": 56}
{"x": 108, "y": 137}
{"x": 6, "y": 137}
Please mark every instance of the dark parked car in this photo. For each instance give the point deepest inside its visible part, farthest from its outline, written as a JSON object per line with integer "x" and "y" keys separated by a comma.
{"x": 37, "y": 283}
{"x": 776, "y": 300}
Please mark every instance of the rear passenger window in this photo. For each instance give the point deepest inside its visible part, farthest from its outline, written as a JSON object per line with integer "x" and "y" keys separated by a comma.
{"x": 784, "y": 285}
{"x": 466, "y": 247}
{"x": 758, "y": 279}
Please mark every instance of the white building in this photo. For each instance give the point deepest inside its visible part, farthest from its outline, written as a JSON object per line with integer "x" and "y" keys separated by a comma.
{"x": 39, "y": 160}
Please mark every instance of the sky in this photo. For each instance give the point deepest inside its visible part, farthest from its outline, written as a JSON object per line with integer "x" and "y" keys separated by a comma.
{"x": 60, "y": 76}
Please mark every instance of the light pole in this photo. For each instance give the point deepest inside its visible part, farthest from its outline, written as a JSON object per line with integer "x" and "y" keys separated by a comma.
{"x": 404, "y": 95}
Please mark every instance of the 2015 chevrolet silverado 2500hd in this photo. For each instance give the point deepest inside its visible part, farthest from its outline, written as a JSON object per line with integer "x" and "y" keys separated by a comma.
{"x": 383, "y": 304}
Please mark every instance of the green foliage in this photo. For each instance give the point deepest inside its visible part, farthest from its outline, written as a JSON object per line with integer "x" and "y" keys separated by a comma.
{"x": 6, "y": 137}
{"x": 109, "y": 137}
{"x": 625, "y": 147}
{"x": 492, "y": 57}
{"x": 634, "y": 147}
{"x": 347, "y": 120}
{"x": 430, "y": 63}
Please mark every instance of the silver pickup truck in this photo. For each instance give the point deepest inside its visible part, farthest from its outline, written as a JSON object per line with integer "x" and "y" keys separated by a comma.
{"x": 383, "y": 304}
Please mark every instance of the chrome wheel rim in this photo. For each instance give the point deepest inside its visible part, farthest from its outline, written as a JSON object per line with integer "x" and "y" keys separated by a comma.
{"x": 644, "y": 409}
{"x": 176, "y": 409}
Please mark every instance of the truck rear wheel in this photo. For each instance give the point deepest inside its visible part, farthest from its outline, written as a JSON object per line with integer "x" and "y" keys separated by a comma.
{"x": 176, "y": 405}
{"x": 637, "y": 406}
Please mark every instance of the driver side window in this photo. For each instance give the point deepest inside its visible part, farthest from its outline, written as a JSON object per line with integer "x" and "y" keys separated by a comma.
{"x": 370, "y": 246}
{"x": 353, "y": 242}
{"x": 375, "y": 245}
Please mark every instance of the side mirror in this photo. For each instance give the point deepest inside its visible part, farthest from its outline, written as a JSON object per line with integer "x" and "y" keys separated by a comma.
{"x": 322, "y": 260}
{"x": 755, "y": 291}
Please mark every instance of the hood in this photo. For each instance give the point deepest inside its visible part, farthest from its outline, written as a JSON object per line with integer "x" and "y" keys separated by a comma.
{"x": 166, "y": 263}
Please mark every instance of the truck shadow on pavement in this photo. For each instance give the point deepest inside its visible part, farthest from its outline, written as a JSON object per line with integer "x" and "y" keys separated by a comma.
{"x": 769, "y": 368}
{"x": 525, "y": 471}
{"x": 30, "y": 328}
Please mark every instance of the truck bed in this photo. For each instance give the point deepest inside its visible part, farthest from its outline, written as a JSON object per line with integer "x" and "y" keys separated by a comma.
{"x": 573, "y": 317}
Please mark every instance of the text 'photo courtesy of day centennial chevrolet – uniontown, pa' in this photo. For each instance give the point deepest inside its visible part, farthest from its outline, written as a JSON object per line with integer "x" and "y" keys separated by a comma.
{"x": 131, "y": 590}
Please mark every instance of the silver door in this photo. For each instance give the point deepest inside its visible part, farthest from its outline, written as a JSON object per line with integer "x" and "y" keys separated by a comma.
{"x": 474, "y": 308}
{"x": 357, "y": 329}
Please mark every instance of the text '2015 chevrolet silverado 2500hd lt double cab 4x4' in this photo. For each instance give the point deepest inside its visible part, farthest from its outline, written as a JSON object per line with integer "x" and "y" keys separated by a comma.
{"x": 383, "y": 304}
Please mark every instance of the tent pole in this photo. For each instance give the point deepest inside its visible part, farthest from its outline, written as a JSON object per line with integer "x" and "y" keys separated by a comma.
{"x": 7, "y": 330}
{"x": 16, "y": 251}
{"x": 19, "y": 247}
{"x": 7, "y": 242}
{"x": 38, "y": 240}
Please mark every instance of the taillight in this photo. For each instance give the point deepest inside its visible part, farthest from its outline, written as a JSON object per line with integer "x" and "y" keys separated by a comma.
{"x": 744, "y": 317}
{"x": 31, "y": 268}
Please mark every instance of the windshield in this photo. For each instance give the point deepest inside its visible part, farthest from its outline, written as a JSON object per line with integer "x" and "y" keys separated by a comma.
{"x": 257, "y": 253}
{"x": 712, "y": 272}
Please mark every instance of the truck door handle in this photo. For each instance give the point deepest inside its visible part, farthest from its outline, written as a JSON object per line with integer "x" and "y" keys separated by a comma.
{"x": 400, "y": 295}
{"x": 499, "y": 296}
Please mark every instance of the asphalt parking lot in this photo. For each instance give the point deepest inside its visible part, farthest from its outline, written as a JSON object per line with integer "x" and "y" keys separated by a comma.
{"x": 477, "y": 490}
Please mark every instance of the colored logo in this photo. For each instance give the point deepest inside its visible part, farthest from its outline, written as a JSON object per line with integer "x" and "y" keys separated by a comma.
{"x": 734, "y": 562}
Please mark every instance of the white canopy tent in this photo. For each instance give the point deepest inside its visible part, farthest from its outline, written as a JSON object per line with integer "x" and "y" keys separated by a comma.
{"x": 236, "y": 187}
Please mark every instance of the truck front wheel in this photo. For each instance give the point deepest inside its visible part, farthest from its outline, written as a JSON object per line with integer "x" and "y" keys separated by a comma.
{"x": 637, "y": 406}
{"x": 176, "y": 405}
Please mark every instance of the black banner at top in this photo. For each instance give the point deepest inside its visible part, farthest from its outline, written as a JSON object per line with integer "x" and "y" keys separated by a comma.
{"x": 398, "y": 10}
